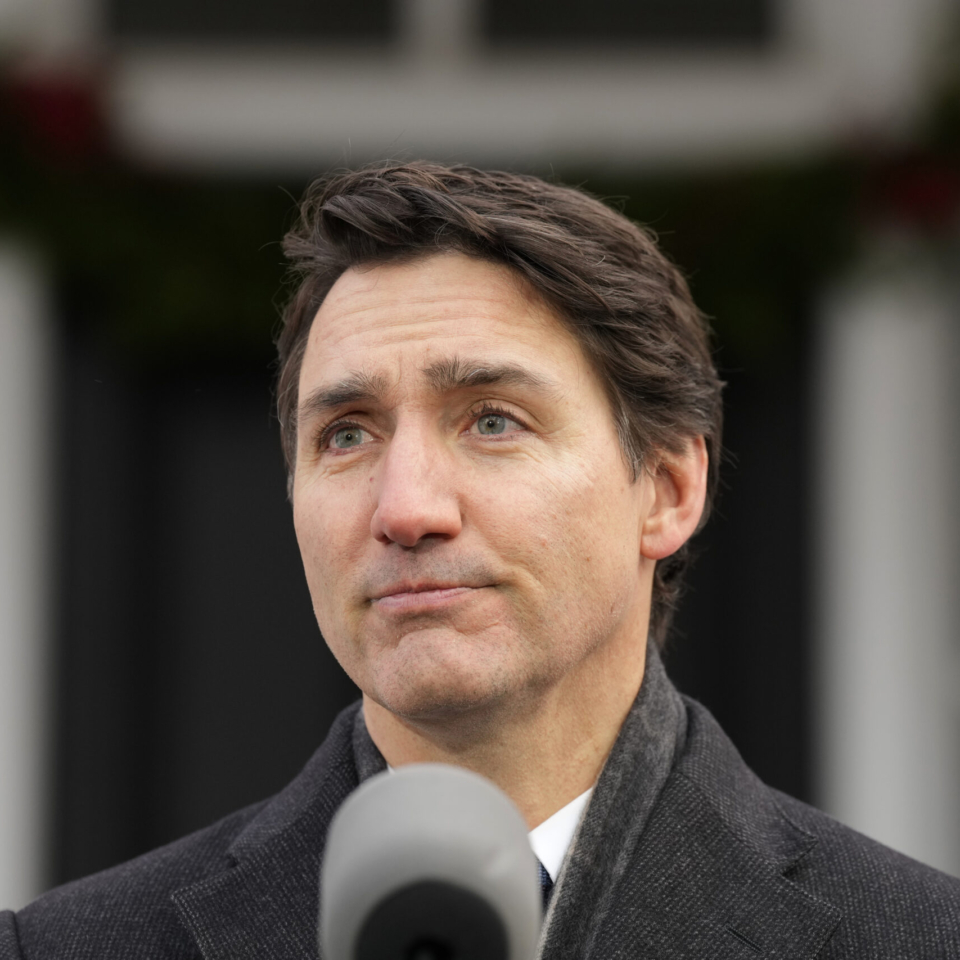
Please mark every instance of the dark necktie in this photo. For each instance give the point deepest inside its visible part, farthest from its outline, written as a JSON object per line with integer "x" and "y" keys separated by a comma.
{"x": 546, "y": 884}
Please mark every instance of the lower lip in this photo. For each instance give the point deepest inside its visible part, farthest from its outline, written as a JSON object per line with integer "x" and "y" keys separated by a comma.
{"x": 423, "y": 599}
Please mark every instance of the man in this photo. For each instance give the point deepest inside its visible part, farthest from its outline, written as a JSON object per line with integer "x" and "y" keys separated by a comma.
{"x": 501, "y": 420}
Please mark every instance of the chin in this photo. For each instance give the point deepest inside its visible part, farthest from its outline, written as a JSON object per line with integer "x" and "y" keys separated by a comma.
{"x": 423, "y": 698}
{"x": 440, "y": 674}
{"x": 421, "y": 683}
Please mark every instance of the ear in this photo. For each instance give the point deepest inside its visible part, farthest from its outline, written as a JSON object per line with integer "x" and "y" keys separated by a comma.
{"x": 678, "y": 490}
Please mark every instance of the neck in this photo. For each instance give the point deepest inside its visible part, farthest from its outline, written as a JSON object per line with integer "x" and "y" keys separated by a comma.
{"x": 542, "y": 752}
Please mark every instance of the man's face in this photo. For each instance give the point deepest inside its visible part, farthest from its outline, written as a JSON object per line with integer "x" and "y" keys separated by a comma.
{"x": 469, "y": 527}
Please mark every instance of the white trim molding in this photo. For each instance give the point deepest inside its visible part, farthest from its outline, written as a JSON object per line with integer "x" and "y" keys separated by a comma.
{"x": 838, "y": 68}
{"x": 25, "y": 594}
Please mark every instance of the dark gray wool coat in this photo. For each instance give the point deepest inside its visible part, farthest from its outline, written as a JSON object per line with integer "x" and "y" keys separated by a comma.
{"x": 682, "y": 852}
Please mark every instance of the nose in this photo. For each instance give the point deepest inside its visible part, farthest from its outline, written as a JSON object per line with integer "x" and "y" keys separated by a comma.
{"x": 416, "y": 495}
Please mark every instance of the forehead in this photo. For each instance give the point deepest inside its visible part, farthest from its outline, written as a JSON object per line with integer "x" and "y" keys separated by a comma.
{"x": 400, "y": 320}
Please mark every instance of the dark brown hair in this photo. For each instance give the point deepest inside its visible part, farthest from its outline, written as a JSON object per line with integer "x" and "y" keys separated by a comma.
{"x": 627, "y": 304}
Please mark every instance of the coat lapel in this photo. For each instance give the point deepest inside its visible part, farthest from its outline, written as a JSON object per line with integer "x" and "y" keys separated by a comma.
{"x": 694, "y": 889}
{"x": 706, "y": 874}
{"x": 265, "y": 904}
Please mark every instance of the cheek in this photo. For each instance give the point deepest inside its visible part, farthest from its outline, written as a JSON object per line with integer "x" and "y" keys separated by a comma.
{"x": 328, "y": 533}
{"x": 327, "y": 554}
{"x": 331, "y": 509}
{"x": 571, "y": 525}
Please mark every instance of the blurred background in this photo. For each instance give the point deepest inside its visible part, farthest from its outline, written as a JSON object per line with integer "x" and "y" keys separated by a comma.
{"x": 159, "y": 662}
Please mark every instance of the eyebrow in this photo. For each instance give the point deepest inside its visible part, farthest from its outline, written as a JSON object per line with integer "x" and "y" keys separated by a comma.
{"x": 357, "y": 388}
{"x": 444, "y": 376}
{"x": 456, "y": 373}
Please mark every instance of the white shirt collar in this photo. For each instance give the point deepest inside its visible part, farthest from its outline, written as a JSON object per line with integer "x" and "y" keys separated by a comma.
{"x": 551, "y": 840}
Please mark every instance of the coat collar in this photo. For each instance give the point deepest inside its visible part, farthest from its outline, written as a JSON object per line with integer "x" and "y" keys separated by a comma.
{"x": 682, "y": 853}
{"x": 710, "y": 875}
{"x": 265, "y": 904}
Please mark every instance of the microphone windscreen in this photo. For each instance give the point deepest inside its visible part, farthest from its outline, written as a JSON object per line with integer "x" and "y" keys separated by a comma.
{"x": 429, "y": 861}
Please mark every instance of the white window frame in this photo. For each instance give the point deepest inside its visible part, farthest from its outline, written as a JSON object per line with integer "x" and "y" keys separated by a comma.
{"x": 840, "y": 68}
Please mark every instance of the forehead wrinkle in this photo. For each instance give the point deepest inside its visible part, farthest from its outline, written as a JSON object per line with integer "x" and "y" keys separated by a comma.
{"x": 357, "y": 303}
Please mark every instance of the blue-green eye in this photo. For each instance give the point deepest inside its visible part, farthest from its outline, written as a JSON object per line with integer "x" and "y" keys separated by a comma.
{"x": 347, "y": 437}
{"x": 492, "y": 423}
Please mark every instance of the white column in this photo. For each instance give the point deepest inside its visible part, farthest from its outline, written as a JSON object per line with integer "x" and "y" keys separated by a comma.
{"x": 887, "y": 571}
{"x": 25, "y": 597}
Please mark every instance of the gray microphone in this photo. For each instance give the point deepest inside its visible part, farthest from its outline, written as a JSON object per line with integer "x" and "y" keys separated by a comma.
{"x": 429, "y": 862}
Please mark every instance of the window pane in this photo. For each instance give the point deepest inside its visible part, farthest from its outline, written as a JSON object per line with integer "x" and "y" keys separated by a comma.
{"x": 674, "y": 22}
{"x": 252, "y": 19}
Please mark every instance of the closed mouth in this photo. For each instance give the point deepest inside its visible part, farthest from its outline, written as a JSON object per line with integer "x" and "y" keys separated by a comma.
{"x": 422, "y": 594}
